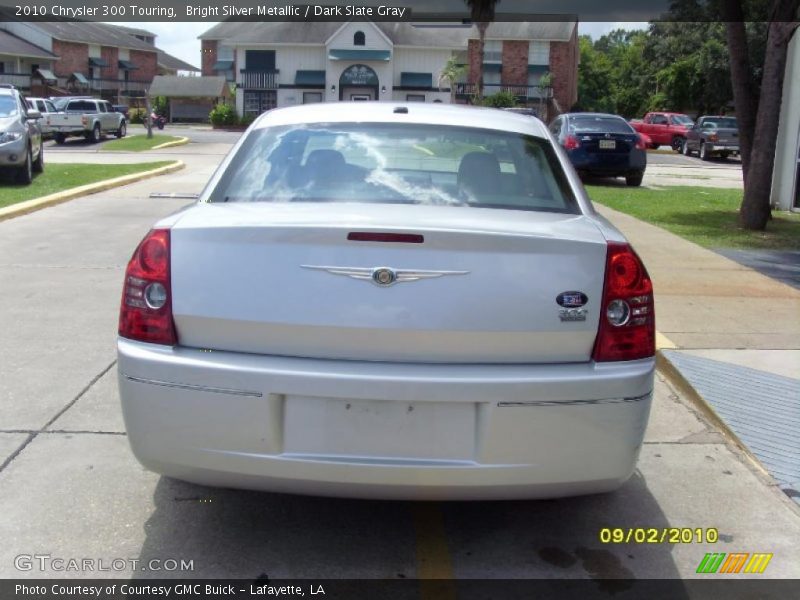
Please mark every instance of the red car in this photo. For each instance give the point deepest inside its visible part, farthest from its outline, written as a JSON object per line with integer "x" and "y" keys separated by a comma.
{"x": 664, "y": 128}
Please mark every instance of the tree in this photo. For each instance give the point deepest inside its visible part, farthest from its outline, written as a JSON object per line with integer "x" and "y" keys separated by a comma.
{"x": 481, "y": 13}
{"x": 451, "y": 73}
{"x": 754, "y": 212}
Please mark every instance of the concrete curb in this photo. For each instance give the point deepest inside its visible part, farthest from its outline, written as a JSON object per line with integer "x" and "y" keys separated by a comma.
{"x": 179, "y": 142}
{"x": 676, "y": 378}
{"x": 29, "y": 206}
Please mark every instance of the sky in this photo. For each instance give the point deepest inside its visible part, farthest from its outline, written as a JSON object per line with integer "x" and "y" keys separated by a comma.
{"x": 180, "y": 39}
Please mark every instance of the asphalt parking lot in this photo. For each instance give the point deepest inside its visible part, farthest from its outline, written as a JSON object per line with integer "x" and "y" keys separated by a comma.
{"x": 70, "y": 488}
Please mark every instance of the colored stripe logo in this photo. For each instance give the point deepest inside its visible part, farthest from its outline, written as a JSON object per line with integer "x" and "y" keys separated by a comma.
{"x": 734, "y": 562}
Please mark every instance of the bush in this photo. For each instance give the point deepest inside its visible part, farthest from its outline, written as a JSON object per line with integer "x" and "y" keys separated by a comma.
{"x": 504, "y": 99}
{"x": 223, "y": 114}
{"x": 136, "y": 115}
{"x": 246, "y": 120}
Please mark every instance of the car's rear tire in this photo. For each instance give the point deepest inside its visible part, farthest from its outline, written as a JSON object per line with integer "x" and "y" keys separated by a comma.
{"x": 25, "y": 172}
{"x": 677, "y": 143}
{"x": 704, "y": 155}
{"x": 60, "y": 138}
{"x": 724, "y": 155}
{"x": 123, "y": 129}
{"x": 634, "y": 180}
{"x": 94, "y": 135}
{"x": 38, "y": 164}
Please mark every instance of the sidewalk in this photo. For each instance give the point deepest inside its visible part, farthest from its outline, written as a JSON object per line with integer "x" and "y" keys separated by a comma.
{"x": 736, "y": 338}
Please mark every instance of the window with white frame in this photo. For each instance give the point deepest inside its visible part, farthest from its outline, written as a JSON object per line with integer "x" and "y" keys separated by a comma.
{"x": 538, "y": 53}
{"x": 493, "y": 51}
{"x": 224, "y": 53}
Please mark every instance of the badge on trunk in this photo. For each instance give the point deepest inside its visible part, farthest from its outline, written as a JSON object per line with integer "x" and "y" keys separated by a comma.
{"x": 572, "y": 306}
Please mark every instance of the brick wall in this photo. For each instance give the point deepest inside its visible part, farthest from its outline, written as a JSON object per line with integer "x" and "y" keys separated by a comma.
{"x": 146, "y": 63}
{"x": 208, "y": 56}
{"x": 74, "y": 58}
{"x": 564, "y": 68}
{"x": 111, "y": 56}
{"x": 515, "y": 62}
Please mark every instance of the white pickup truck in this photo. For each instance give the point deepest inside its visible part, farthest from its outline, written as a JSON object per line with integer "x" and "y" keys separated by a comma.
{"x": 87, "y": 117}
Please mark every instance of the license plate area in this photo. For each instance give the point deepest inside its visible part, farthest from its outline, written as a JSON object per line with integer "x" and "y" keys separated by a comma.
{"x": 379, "y": 429}
{"x": 608, "y": 144}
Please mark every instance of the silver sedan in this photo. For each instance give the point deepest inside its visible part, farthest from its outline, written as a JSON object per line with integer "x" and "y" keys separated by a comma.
{"x": 389, "y": 301}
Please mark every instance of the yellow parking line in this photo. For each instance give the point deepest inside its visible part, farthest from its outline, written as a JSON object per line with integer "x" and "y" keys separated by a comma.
{"x": 434, "y": 568}
{"x": 663, "y": 342}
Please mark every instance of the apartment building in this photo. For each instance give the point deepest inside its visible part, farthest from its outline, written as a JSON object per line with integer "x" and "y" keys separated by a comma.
{"x": 281, "y": 64}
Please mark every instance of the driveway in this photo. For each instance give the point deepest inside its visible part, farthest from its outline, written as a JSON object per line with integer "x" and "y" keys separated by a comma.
{"x": 70, "y": 488}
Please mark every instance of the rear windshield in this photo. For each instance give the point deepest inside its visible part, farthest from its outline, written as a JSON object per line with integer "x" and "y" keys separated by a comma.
{"x": 722, "y": 122}
{"x": 397, "y": 164}
{"x": 681, "y": 120}
{"x": 81, "y": 106}
{"x": 590, "y": 124}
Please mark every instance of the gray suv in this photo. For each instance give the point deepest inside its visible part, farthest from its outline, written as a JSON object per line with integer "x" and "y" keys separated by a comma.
{"x": 20, "y": 136}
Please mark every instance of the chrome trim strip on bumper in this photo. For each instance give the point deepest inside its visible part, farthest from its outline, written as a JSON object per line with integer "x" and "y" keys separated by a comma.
{"x": 575, "y": 402}
{"x": 194, "y": 387}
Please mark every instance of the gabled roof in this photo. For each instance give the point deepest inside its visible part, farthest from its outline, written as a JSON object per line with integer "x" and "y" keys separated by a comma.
{"x": 11, "y": 44}
{"x": 93, "y": 33}
{"x": 399, "y": 33}
{"x": 175, "y": 86}
{"x": 173, "y": 63}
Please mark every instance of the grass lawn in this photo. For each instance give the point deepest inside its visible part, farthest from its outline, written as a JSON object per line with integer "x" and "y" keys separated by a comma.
{"x": 59, "y": 177}
{"x": 706, "y": 216}
{"x": 139, "y": 142}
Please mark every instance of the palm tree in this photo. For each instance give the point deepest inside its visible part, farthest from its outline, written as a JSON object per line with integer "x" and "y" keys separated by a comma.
{"x": 451, "y": 73}
{"x": 481, "y": 13}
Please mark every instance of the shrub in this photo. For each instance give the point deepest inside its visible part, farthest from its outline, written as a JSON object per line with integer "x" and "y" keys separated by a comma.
{"x": 504, "y": 99}
{"x": 136, "y": 115}
{"x": 223, "y": 114}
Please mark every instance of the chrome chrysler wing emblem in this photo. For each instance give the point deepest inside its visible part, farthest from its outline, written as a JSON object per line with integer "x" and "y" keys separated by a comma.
{"x": 383, "y": 276}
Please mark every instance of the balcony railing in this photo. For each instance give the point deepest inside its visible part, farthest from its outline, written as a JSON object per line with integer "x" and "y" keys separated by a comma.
{"x": 110, "y": 86}
{"x": 20, "y": 80}
{"x": 521, "y": 91}
{"x": 258, "y": 80}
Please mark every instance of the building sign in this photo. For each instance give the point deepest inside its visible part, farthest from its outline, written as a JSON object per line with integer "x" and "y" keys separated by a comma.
{"x": 358, "y": 75}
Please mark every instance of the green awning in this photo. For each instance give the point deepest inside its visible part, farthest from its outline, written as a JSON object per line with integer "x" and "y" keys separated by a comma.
{"x": 222, "y": 65}
{"x": 538, "y": 69}
{"x": 45, "y": 74}
{"x": 80, "y": 78}
{"x": 492, "y": 67}
{"x": 97, "y": 62}
{"x": 316, "y": 78}
{"x": 127, "y": 65}
{"x": 359, "y": 55}
{"x": 417, "y": 80}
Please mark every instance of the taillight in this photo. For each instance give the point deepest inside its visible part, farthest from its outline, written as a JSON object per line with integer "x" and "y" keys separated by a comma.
{"x": 640, "y": 145}
{"x": 713, "y": 137}
{"x": 146, "y": 311}
{"x": 627, "y": 316}
{"x": 571, "y": 142}
{"x": 84, "y": 121}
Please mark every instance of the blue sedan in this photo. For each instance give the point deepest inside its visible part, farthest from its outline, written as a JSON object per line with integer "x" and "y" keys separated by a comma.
{"x": 602, "y": 145}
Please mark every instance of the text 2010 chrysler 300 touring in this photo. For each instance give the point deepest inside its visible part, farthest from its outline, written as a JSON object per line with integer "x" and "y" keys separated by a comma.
{"x": 389, "y": 301}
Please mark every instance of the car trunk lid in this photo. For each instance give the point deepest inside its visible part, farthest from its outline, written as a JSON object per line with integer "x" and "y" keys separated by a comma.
{"x": 473, "y": 285}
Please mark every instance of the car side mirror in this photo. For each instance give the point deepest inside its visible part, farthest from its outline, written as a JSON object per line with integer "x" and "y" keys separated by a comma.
{"x": 33, "y": 114}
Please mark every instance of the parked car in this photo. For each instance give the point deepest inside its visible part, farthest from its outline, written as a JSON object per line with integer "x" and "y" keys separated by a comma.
{"x": 602, "y": 145}
{"x": 87, "y": 117}
{"x": 664, "y": 128}
{"x": 393, "y": 301}
{"x": 21, "y": 148}
{"x": 713, "y": 135}
{"x": 45, "y": 108}
{"x": 123, "y": 110}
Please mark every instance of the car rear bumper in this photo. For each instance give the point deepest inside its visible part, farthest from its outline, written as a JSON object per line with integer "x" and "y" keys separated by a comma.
{"x": 383, "y": 430}
{"x": 722, "y": 147}
{"x": 609, "y": 163}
